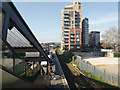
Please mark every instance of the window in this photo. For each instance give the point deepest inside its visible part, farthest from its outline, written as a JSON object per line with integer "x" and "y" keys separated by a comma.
{"x": 76, "y": 13}
{"x": 66, "y": 29}
{"x": 76, "y": 17}
{"x": 71, "y": 36}
{"x": 76, "y": 26}
{"x": 78, "y": 47}
{"x": 66, "y": 26}
{"x": 72, "y": 21}
{"x": 68, "y": 7}
{"x": 75, "y": 3}
{"x": 66, "y": 23}
{"x": 72, "y": 32}
{"x": 76, "y": 23}
{"x": 66, "y": 32}
{"x": 71, "y": 13}
{"x": 77, "y": 39}
{"x": 66, "y": 19}
{"x": 66, "y": 40}
{"x": 66, "y": 36}
{"x": 71, "y": 39}
{"x": 78, "y": 32}
{"x": 69, "y": 20}
{"x": 71, "y": 47}
{"x": 72, "y": 26}
{"x": 66, "y": 12}
{"x": 76, "y": 20}
{"x": 77, "y": 35}
{"x": 66, "y": 16}
{"x": 69, "y": 23}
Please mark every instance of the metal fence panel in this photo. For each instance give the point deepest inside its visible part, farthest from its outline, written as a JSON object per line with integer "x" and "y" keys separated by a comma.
{"x": 105, "y": 75}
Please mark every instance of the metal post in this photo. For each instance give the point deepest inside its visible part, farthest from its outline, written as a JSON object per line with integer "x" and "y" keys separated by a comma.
{"x": 47, "y": 68}
{"x": 40, "y": 58}
{"x": 118, "y": 79}
{"x": 13, "y": 61}
{"x": 25, "y": 70}
{"x": 33, "y": 68}
{"x": 94, "y": 70}
{"x": 87, "y": 67}
{"x": 104, "y": 74}
{"x": 40, "y": 62}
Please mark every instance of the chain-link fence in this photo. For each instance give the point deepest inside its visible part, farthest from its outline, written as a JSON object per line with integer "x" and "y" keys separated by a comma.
{"x": 104, "y": 74}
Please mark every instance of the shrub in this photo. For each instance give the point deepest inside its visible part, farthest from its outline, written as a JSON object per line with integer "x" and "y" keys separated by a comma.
{"x": 116, "y": 54}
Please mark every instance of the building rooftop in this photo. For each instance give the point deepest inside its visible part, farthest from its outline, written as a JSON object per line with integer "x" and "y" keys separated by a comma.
{"x": 95, "y": 32}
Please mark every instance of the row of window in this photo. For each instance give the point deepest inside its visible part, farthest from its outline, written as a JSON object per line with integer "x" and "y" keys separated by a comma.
{"x": 72, "y": 47}
{"x": 77, "y": 32}
{"x": 77, "y": 40}
{"x": 71, "y": 13}
{"x": 72, "y": 36}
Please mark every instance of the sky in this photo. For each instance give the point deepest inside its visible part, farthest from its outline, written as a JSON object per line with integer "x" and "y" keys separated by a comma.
{"x": 44, "y": 18}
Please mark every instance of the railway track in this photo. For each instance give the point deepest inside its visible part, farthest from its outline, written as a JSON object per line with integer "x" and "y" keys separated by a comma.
{"x": 68, "y": 74}
{"x": 87, "y": 80}
{"x": 72, "y": 80}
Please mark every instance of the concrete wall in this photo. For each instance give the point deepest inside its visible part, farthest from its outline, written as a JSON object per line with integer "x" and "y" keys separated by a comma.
{"x": 103, "y": 54}
{"x": 10, "y": 81}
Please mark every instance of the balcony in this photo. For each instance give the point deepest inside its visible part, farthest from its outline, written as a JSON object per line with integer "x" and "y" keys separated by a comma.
{"x": 72, "y": 43}
{"x": 66, "y": 20}
{"x": 76, "y": 24}
{"x": 66, "y": 37}
{"x": 66, "y": 16}
{"x": 66, "y": 33}
{"x": 72, "y": 37}
{"x": 76, "y": 14}
{"x": 66, "y": 24}
{"x": 66, "y": 27}
{"x": 66, "y": 13}
{"x": 77, "y": 43}
{"x": 66, "y": 41}
{"x": 71, "y": 33}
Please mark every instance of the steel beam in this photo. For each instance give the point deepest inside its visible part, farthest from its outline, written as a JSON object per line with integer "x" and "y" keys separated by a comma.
{"x": 25, "y": 49}
{"x": 5, "y": 26}
{"x": 20, "y": 24}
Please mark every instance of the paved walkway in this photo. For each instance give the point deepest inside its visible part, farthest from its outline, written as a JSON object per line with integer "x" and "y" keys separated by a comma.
{"x": 59, "y": 82}
{"x": 41, "y": 81}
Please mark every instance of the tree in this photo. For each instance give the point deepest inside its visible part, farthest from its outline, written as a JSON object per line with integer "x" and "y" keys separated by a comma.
{"x": 110, "y": 38}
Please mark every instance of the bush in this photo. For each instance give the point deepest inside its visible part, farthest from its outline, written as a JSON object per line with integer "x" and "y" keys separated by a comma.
{"x": 116, "y": 54}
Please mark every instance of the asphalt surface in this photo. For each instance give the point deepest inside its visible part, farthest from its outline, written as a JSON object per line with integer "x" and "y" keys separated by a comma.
{"x": 59, "y": 81}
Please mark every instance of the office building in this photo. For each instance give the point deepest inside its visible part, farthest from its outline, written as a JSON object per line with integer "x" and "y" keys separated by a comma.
{"x": 94, "y": 39}
{"x": 85, "y": 32}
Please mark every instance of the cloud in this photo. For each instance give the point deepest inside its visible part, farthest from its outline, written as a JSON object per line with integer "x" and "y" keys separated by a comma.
{"x": 103, "y": 20}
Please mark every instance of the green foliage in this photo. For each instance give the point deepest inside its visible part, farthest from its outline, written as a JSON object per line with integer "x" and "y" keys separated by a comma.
{"x": 90, "y": 75}
{"x": 67, "y": 57}
{"x": 116, "y": 54}
{"x": 75, "y": 57}
{"x": 59, "y": 52}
